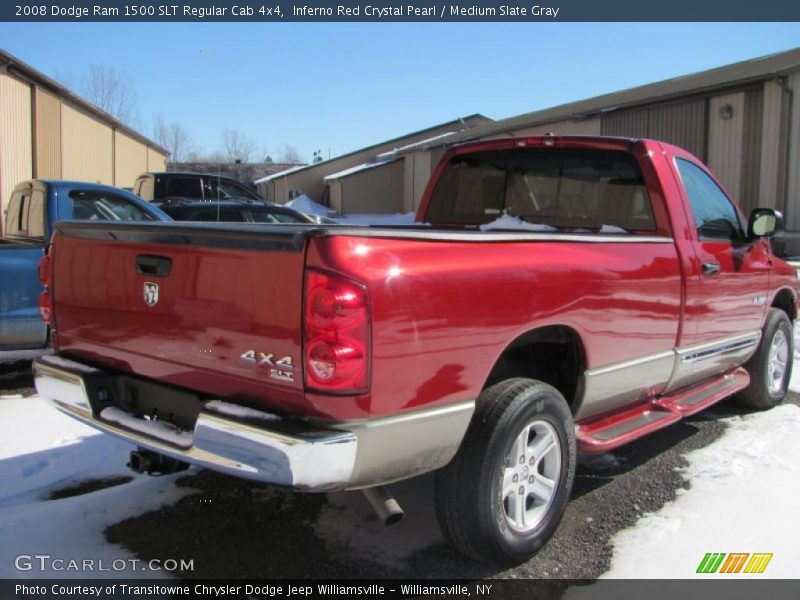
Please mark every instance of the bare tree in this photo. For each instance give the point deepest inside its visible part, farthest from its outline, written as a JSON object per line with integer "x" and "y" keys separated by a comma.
{"x": 175, "y": 138}
{"x": 289, "y": 155}
{"x": 237, "y": 146}
{"x": 111, "y": 90}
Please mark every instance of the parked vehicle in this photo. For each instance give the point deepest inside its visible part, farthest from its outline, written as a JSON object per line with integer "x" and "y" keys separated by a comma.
{"x": 232, "y": 211}
{"x": 569, "y": 294}
{"x": 32, "y": 209}
{"x": 163, "y": 186}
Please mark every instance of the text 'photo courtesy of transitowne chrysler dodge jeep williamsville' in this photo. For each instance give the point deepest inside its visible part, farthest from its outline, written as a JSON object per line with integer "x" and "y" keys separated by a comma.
{"x": 557, "y": 295}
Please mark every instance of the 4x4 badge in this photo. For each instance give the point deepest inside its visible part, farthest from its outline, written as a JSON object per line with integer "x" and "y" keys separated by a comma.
{"x": 150, "y": 293}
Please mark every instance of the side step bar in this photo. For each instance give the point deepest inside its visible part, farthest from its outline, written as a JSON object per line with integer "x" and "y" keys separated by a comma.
{"x": 609, "y": 432}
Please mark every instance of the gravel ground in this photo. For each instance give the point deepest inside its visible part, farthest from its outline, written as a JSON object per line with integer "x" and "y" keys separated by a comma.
{"x": 234, "y": 528}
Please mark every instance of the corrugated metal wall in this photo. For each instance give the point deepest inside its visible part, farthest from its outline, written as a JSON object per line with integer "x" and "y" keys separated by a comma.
{"x": 16, "y": 135}
{"x": 130, "y": 159}
{"x": 751, "y": 149}
{"x": 155, "y": 160}
{"x": 416, "y": 173}
{"x": 773, "y": 147}
{"x": 87, "y": 147}
{"x": 373, "y": 191}
{"x": 48, "y": 135}
{"x": 725, "y": 140}
{"x": 679, "y": 123}
{"x": 566, "y": 127}
{"x": 793, "y": 176}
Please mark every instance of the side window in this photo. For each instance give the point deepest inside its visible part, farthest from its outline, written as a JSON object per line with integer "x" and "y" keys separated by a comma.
{"x": 36, "y": 215}
{"x": 714, "y": 215}
{"x": 14, "y": 215}
{"x": 102, "y": 206}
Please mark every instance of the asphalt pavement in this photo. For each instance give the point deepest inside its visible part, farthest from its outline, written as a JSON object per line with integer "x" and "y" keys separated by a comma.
{"x": 234, "y": 528}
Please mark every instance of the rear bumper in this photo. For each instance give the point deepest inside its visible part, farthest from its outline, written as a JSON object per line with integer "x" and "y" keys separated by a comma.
{"x": 262, "y": 447}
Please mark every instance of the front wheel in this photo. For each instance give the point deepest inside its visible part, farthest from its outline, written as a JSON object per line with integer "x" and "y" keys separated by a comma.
{"x": 770, "y": 367}
{"x": 503, "y": 495}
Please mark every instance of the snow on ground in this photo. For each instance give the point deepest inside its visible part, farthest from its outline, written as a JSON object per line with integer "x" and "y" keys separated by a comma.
{"x": 42, "y": 450}
{"x": 742, "y": 497}
{"x": 306, "y": 205}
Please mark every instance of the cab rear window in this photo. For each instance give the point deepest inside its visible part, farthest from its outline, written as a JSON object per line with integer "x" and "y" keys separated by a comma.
{"x": 562, "y": 188}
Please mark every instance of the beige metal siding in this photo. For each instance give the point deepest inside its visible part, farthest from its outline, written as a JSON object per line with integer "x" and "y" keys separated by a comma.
{"x": 772, "y": 148}
{"x": 416, "y": 173}
{"x": 725, "y": 140}
{"x": 566, "y": 127}
{"x": 16, "y": 143}
{"x": 625, "y": 123}
{"x": 335, "y": 195}
{"x": 130, "y": 159}
{"x": 155, "y": 160}
{"x": 793, "y": 178}
{"x": 751, "y": 149}
{"x": 48, "y": 135}
{"x": 86, "y": 147}
{"x": 374, "y": 191}
{"x": 680, "y": 123}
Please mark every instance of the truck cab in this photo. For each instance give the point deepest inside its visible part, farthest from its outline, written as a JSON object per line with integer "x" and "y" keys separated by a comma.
{"x": 34, "y": 207}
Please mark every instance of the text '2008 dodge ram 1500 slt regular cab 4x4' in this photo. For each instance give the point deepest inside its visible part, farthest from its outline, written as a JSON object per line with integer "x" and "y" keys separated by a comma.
{"x": 558, "y": 295}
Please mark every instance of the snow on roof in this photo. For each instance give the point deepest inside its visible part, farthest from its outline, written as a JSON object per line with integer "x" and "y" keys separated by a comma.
{"x": 357, "y": 169}
{"x": 420, "y": 144}
{"x": 279, "y": 174}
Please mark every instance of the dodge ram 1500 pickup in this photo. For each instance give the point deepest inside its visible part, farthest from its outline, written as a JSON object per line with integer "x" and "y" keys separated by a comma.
{"x": 557, "y": 295}
{"x": 32, "y": 209}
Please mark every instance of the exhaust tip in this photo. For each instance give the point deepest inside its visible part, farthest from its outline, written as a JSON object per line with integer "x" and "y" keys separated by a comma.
{"x": 384, "y": 504}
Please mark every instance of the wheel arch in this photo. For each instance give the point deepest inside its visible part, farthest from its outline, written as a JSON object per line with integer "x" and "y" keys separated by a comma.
{"x": 553, "y": 354}
{"x": 785, "y": 300}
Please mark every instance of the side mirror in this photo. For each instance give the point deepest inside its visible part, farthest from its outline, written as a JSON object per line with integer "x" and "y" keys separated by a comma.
{"x": 764, "y": 222}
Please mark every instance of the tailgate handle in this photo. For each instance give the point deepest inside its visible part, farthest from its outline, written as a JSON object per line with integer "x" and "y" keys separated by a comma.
{"x": 155, "y": 266}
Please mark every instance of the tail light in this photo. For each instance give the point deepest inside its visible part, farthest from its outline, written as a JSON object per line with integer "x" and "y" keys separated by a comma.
{"x": 45, "y": 300}
{"x": 337, "y": 331}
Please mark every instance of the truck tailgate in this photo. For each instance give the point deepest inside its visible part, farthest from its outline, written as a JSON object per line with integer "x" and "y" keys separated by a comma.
{"x": 214, "y": 308}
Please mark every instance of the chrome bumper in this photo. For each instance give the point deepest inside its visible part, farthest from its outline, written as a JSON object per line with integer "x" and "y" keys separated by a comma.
{"x": 310, "y": 457}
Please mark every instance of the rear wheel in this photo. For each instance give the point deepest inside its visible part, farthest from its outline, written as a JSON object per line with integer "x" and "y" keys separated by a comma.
{"x": 503, "y": 495}
{"x": 770, "y": 367}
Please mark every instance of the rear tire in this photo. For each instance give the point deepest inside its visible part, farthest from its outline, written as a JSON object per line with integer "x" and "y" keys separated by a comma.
{"x": 504, "y": 493}
{"x": 770, "y": 367}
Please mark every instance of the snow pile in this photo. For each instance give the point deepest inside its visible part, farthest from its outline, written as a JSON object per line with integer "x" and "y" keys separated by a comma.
{"x": 511, "y": 222}
{"x": 305, "y": 204}
{"x": 42, "y": 450}
{"x": 395, "y": 219}
{"x": 742, "y": 498}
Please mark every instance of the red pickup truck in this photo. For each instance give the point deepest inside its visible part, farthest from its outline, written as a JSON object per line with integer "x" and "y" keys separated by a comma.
{"x": 557, "y": 295}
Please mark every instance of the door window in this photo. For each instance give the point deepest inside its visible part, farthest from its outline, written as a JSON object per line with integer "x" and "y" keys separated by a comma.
{"x": 102, "y": 206}
{"x": 14, "y": 215}
{"x": 714, "y": 215}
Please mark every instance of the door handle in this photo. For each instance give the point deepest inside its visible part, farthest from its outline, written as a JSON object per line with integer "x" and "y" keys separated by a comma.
{"x": 154, "y": 266}
{"x": 710, "y": 268}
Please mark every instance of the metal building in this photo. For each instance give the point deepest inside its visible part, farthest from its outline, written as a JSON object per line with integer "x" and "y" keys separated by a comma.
{"x": 743, "y": 120}
{"x": 310, "y": 179}
{"x": 46, "y": 131}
